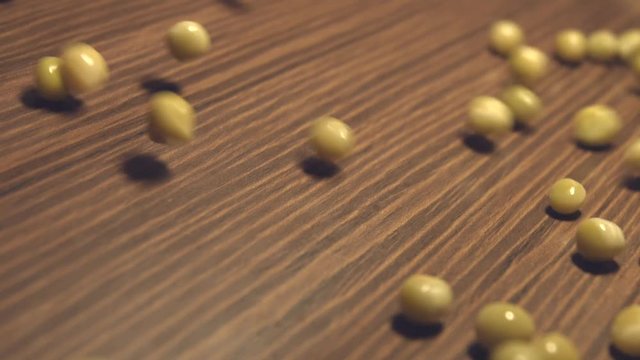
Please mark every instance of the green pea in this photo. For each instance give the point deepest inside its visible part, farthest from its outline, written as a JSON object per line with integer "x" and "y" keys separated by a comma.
{"x": 599, "y": 239}
{"x": 425, "y": 299}
{"x": 524, "y": 103}
{"x": 499, "y": 322}
{"x": 171, "y": 120}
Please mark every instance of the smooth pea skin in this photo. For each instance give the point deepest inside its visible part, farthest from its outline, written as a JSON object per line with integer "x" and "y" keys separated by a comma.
{"x": 625, "y": 330}
{"x": 524, "y": 103}
{"x": 516, "y": 350}
{"x": 489, "y": 116}
{"x": 528, "y": 64}
{"x": 555, "y": 346}
{"x": 83, "y": 69}
{"x": 331, "y": 138}
{"x": 571, "y": 45}
{"x": 171, "y": 120}
{"x": 602, "y": 45}
{"x": 567, "y": 196}
{"x": 425, "y": 299}
{"x": 499, "y": 322}
{"x": 596, "y": 125}
{"x": 188, "y": 40}
{"x": 599, "y": 239}
{"x": 49, "y": 79}
{"x": 632, "y": 156}
{"x": 629, "y": 44}
{"x": 505, "y": 36}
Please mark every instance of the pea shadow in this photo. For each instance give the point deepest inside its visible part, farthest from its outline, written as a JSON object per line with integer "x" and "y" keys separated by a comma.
{"x": 145, "y": 168}
{"x": 562, "y": 217}
{"x": 401, "y": 325}
{"x": 594, "y": 268}
{"x": 478, "y": 143}
{"x": 594, "y": 148}
{"x": 523, "y": 129}
{"x": 565, "y": 63}
{"x": 632, "y": 183}
{"x": 236, "y": 5}
{"x": 319, "y": 168}
{"x": 619, "y": 355}
{"x": 32, "y": 99}
{"x": 476, "y": 351}
{"x": 155, "y": 85}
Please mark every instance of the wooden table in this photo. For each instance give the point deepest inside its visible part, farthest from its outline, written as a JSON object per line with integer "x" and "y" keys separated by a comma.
{"x": 238, "y": 245}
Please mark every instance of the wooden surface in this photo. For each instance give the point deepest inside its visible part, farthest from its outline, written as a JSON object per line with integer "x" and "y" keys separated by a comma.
{"x": 237, "y": 246}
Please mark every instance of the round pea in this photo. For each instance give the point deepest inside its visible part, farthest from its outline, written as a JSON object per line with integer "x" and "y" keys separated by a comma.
{"x": 599, "y": 240}
{"x": 571, "y": 45}
{"x": 629, "y": 44}
{"x": 632, "y": 155}
{"x": 425, "y": 299}
{"x": 567, "y": 196}
{"x": 524, "y": 103}
{"x": 516, "y": 350}
{"x": 602, "y": 45}
{"x": 499, "y": 322}
{"x": 555, "y": 346}
{"x": 528, "y": 64}
{"x": 596, "y": 125}
{"x": 188, "y": 40}
{"x": 625, "y": 330}
{"x": 83, "y": 69}
{"x": 49, "y": 79}
{"x": 505, "y": 36}
{"x": 489, "y": 116}
{"x": 331, "y": 138}
{"x": 171, "y": 120}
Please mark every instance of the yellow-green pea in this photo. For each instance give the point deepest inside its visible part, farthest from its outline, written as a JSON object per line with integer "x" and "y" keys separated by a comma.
{"x": 567, "y": 196}
{"x": 632, "y": 156}
{"x": 171, "y": 120}
{"x": 625, "y": 330}
{"x": 596, "y": 125}
{"x": 555, "y": 346}
{"x": 571, "y": 45}
{"x": 505, "y": 36}
{"x": 602, "y": 45}
{"x": 499, "y": 322}
{"x": 331, "y": 138}
{"x": 83, "y": 68}
{"x": 629, "y": 44}
{"x": 516, "y": 350}
{"x": 524, "y": 103}
{"x": 188, "y": 40}
{"x": 528, "y": 64}
{"x": 425, "y": 299}
{"x": 489, "y": 116}
{"x": 599, "y": 239}
{"x": 49, "y": 79}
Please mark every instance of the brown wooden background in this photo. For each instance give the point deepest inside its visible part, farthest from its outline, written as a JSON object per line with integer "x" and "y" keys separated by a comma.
{"x": 235, "y": 246}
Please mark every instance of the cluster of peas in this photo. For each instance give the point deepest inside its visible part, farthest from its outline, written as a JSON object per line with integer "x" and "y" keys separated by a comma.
{"x": 506, "y": 329}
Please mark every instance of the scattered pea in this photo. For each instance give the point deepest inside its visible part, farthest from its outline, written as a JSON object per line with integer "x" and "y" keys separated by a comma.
{"x": 555, "y": 346}
{"x": 571, "y": 45}
{"x": 171, "y": 120}
{"x": 567, "y": 196}
{"x": 425, "y": 299}
{"x": 331, "y": 138}
{"x": 188, "y": 40}
{"x": 528, "y": 64}
{"x": 489, "y": 116}
{"x": 499, "y": 322}
{"x": 602, "y": 45}
{"x": 599, "y": 240}
{"x": 505, "y": 36}
{"x": 516, "y": 350}
{"x": 629, "y": 44}
{"x": 83, "y": 68}
{"x": 596, "y": 125}
{"x": 49, "y": 79}
{"x": 524, "y": 103}
{"x": 632, "y": 155}
{"x": 625, "y": 330}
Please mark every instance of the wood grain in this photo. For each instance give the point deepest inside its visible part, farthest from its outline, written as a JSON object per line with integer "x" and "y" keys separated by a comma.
{"x": 236, "y": 246}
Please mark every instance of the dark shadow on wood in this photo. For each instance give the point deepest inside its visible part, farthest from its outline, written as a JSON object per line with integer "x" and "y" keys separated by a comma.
{"x": 594, "y": 148}
{"x": 32, "y": 99}
{"x": 477, "y": 352}
{"x": 619, "y": 355}
{"x": 319, "y": 168}
{"x": 478, "y": 143}
{"x": 595, "y": 268}
{"x": 569, "y": 64}
{"x": 562, "y": 217}
{"x": 145, "y": 168}
{"x": 634, "y": 90}
{"x": 236, "y": 5}
{"x": 156, "y": 85}
{"x": 409, "y": 330}
{"x": 632, "y": 183}
{"x": 523, "y": 129}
